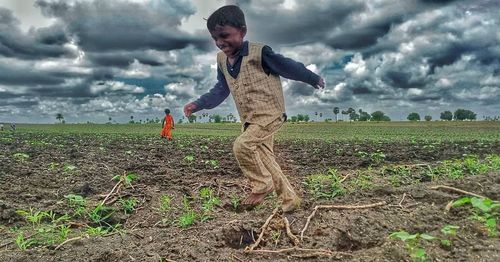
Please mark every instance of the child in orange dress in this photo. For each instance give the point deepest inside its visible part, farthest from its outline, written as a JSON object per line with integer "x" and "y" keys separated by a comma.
{"x": 167, "y": 125}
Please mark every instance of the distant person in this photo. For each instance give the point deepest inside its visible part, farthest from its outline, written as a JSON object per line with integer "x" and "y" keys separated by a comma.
{"x": 13, "y": 126}
{"x": 167, "y": 125}
{"x": 1, "y": 127}
{"x": 251, "y": 73}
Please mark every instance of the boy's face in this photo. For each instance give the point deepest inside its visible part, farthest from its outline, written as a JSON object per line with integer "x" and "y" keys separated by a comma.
{"x": 228, "y": 38}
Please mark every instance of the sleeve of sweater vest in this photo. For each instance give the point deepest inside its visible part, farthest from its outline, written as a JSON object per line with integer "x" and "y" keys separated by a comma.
{"x": 277, "y": 64}
{"x": 214, "y": 96}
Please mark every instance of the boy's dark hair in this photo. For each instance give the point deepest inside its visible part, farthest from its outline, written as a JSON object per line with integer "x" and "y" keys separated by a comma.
{"x": 167, "y": 111}
{"x": 226, "y": 15}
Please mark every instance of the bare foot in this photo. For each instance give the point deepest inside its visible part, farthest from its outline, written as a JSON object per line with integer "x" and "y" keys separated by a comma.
{"x": 255, "y": 199}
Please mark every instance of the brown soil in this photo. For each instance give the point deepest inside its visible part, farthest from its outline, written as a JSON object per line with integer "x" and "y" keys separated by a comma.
{"x": 41, "y": 182}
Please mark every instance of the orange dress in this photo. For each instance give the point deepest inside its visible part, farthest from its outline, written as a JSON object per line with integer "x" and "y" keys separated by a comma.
{"x": 166, "y": 132}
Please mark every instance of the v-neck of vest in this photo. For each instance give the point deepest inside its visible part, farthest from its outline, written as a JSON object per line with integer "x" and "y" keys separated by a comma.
{"x": 243, "y": 61}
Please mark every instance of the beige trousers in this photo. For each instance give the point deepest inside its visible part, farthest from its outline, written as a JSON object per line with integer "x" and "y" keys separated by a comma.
{"x": 254, "y": 151}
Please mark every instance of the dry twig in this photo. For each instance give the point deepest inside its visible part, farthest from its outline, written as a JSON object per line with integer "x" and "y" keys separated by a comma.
{"x": 457, "y": 190}
{"x": 67, "y": 240}
{"x": 263, "y": 230}
{"x": 289, "y": 233}
{"x": 325, "y": 252}
{"x": 336, "y": 207}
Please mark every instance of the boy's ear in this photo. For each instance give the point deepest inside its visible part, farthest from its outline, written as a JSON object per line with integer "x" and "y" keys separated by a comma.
{"x": 243, "y": 31}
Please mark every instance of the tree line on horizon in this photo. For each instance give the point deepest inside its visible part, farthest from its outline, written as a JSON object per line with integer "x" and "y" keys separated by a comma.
{"x": 350, "y": 113}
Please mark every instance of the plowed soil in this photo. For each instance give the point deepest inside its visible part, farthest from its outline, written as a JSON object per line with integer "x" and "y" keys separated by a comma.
{"x": 41, "y": 180}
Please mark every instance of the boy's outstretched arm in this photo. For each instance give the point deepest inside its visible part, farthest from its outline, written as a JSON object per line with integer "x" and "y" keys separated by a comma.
{"x": 286, "y": 67}
{"x": 212, "y": 98}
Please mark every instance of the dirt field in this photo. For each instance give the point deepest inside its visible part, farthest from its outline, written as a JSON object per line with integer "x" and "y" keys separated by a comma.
{"x": 38, "y": 170}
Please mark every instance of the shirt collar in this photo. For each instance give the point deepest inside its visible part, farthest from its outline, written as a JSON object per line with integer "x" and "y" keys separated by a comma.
{"x": 244, "y": 49}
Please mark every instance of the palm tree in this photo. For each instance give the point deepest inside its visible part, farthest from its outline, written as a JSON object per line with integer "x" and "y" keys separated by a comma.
{"x": 59, "y": 117}
{"x": 336, "y": 111}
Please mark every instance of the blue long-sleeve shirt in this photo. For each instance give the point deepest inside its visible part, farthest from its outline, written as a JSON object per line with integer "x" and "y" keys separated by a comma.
{"x": 272, "y": 63}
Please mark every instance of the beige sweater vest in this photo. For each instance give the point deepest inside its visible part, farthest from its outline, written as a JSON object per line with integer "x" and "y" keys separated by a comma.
{"x": 258, "y": 96}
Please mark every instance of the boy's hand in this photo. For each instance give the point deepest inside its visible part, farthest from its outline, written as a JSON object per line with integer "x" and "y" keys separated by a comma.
{"x": 321, "y": 83}
{"x": 189, "y": 108}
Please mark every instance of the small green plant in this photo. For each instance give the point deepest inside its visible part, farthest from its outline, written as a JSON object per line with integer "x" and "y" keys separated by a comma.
{"x": 189, "y": 158}
{"x": 377, "y": 157}
{"x": 77, "y": 202}
{"x": 235, "y": 202}
{"x": 34, "y": 217}
{"x": 450, "y": 231}
{"x": 165, "y": 203}
{"x": 209, "y": 201}
{"x": 128, "y": 205}
{"x": 127, "y": 179}
{"x": 53, "y": 165}
{"x": 96, "y": 231}
{"x": 212, "y": 163}
{"x": 24, "y": 243}
{"x": 21, "y": 157}
{"x": 68, "y": 168}
{"x": 412, "y": 242}
{"x": 100, "y": 213}
{"x": 485, "y": 210}
{"x": 324, "y": 186}
{"x": 188, "y": 216}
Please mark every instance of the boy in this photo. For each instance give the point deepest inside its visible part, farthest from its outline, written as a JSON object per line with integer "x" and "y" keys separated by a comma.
{"x": 167, "y": 125}
{"x": 250, "y": 72}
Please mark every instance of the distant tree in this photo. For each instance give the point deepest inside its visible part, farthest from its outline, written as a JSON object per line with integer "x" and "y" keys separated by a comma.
{"x": 350, "y": 111}
{"x": 59, "y": 117}
{"x": 192, "y": 118}
{"x": 364, "y": 116}
{"x": 300, "y": 117}
{"x": 446, "y": 115}
{"x": 379, "y": 116}
{"x": 413, "y": 117}
{"x": 353, "y": 116}
{"x": 336, "y": 110}
{"x": 306, "y": 118}
{"x": 320, "y": 115}
{"x": 179, "y": 121}
{"x": 293, "y": 119}
{"x": 131, "y": 120}
{"x": 217, "y": 118}
{"x": 428, "y": 118}
{"x": 464, "y": 114}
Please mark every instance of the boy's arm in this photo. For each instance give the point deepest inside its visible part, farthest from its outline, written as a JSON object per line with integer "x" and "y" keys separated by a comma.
{"x": 163, "y": 123}
{"x": 286, "y": 67}
{"x": 212, "y": 98}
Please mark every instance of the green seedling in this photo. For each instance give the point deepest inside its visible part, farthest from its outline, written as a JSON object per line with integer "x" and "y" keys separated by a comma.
{"x": 189, "y": 158}
{"x": 126, "y": 178}
{"x": 485, "y": 210}
{"x": 209, "y": 201}
{"x": 100, "y": 213}
{"x": 24, "y": 243}
{"x": 188, "y": 216}
{"x": 63, "y": 232}
{"x": 68, "y": 168}
{"x": 78, "y": 203}
{"x": 53, "y": 165}
{"x": 165, "y": 203}
{"x": 96, "y": 231}
{"x": 212, "y": 163}
{"x": 235, "y": 202}
{"x": 128, "y": 205}
{"x": 324, "y": 186}
{"x": 450, "y": 231}
{"x": 21, "y": 157}
{"x": 33, "y": 217}
{"x": 412, "y": 242}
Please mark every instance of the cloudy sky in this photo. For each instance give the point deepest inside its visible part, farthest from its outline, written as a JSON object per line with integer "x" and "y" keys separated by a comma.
{"x": 90, "y": 60}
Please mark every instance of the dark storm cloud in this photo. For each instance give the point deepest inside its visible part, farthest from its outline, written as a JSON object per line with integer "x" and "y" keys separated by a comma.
{"x": 300, "y": 89}
{"x": 36, "y": 44}
{"x": 10, "y": 75}
{"x": 350, "y": 25}
{"x": 101, "y": 26}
